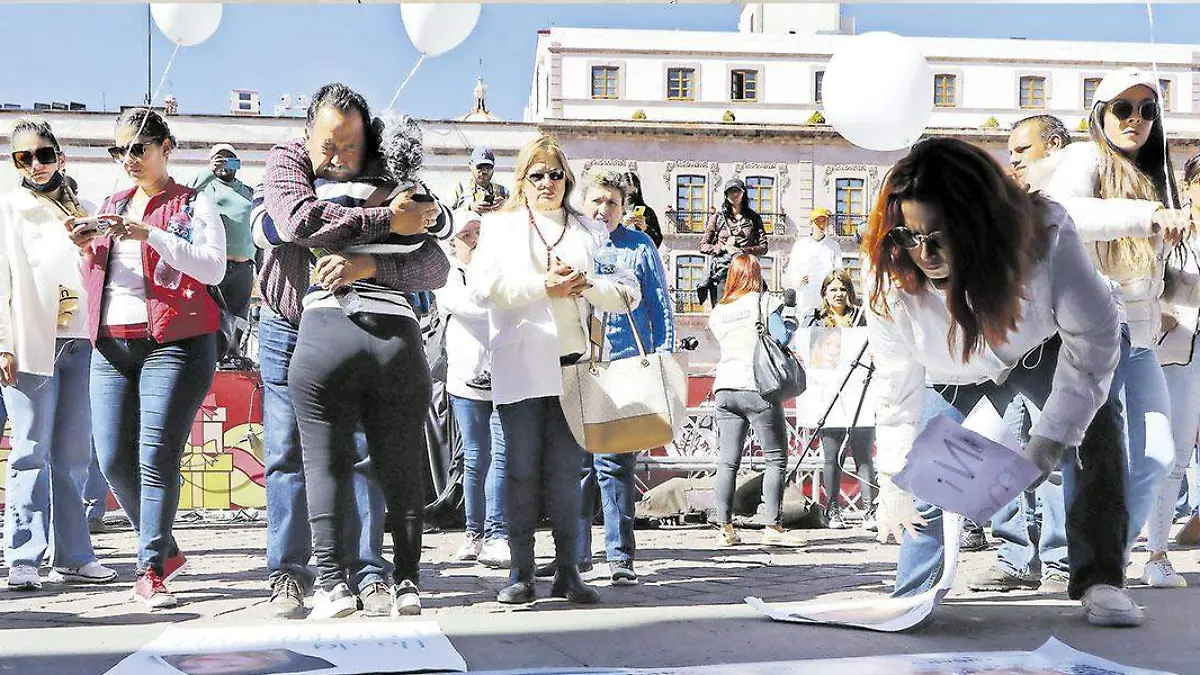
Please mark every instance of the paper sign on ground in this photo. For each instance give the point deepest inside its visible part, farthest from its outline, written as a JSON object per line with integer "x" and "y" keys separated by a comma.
{"x": 297, "y": 648}
{"x": 962, "y": 469}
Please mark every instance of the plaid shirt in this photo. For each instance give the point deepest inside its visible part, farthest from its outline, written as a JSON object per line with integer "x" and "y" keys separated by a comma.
{"x": 308, "y": 223}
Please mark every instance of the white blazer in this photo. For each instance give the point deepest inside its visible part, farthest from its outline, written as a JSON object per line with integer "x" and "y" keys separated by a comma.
{"x": 507, "y": 279}
{"x": 36, "y": 257}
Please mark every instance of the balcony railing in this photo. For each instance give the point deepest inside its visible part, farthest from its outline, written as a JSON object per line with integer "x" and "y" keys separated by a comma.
{"x": 693, "y": 222}
{"x": 848, "y": 224}
{"x": 687, "y": 302}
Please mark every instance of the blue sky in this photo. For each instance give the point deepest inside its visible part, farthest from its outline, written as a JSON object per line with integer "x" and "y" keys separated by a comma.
{"x": 96, "y": 54}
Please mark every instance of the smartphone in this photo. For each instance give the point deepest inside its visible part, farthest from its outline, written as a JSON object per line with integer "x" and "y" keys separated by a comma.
{"x": 90, "y": 225}
{"x": 639, "y": 211}
{"x": 233, "y": 163}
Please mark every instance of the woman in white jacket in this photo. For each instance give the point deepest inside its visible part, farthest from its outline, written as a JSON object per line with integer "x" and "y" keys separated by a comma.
{"x": 985, "y": 291}
{"x": 534, "y": 269}
{"x": 468, "y": 382}
{"x": 1120, "y": 195}
{"x": 44, "y": 362}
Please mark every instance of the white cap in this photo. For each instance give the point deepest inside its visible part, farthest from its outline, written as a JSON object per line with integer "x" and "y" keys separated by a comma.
{"x": 463, "y": 218}
{"x": 1119, "y": 81}
{"x": 219, "y": 147}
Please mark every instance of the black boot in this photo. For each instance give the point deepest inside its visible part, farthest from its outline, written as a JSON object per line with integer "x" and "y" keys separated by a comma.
{"x": 520, "y": 593}
{"x": 568, "y": 584}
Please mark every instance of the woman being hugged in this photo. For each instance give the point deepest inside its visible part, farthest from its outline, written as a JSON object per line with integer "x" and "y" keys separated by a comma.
{"x": 534, "y": 270}
{"x": 993, "y": 302}
{"x": 1123, "y": 199}
{"x": 44, "y": 360}
{"x": 153, "y": 325}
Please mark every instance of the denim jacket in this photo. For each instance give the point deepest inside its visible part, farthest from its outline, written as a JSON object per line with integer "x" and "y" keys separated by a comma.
{"x": 655, "y": 316}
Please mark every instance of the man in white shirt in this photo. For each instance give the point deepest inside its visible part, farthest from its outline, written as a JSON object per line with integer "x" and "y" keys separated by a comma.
{"x": 812, "y": 258}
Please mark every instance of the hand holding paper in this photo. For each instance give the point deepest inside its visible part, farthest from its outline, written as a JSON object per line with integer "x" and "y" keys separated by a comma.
{"x": 896, "y": 512}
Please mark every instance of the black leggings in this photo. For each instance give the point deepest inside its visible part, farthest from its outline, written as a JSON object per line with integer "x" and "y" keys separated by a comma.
{"x": 861, "y": 440}
{"x": 346, "y": 372}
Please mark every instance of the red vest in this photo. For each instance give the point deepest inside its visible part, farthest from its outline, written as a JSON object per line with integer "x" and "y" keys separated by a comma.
{"x": 176, "y": 311}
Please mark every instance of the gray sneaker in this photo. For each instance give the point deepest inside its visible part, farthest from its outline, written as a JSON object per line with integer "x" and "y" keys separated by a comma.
{"x": 1055, "y": 582}
{"x": 376, "y": 599}
{"x": 1000, "y": 581}
{"x": 1106, "y": 605}
{"x": 287, "y": 598}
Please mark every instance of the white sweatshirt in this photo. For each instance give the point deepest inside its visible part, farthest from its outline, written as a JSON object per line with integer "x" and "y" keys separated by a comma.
{"x": 466, "y": 335}
{"x": 735, "y": 327}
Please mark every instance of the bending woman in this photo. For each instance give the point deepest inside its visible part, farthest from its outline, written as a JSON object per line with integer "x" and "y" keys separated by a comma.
{"x": 994, "y": 302}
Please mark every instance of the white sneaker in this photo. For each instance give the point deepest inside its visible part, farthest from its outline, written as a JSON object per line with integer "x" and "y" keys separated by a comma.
{"x": 335, "y": 604}
{"x": 470, "y": 548}
{"x": 1160, "y": 574}
{"x": 91, "y": 573}
{"x": 406, "y": 599}
{"x": 495, "y": 553}
{"x": 1107, "y": 605}
{"x": 24, "y": 578}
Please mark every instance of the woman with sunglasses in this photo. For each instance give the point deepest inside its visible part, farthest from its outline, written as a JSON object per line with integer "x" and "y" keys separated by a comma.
{"x": 1123, "y": 199}
{"x": 986, "y": 291}
{"x": 44, "y": 357}
{"x": 534, "y": 270}
{"x": 146, "y": 267}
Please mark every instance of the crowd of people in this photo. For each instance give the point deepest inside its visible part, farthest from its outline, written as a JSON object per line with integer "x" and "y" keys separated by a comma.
{"x": 1057, "y": 288}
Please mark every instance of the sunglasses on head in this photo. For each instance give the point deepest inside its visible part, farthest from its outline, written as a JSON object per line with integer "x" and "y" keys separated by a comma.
{"x": 1123, "y": 109}
{"x": 134, "y": 150}
{"x": 45, "y": 156}
{"x": 555, "y": 175}
{"x": 908, "y": 239}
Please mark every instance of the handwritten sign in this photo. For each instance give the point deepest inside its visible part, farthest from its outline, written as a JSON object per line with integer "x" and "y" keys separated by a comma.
{"x": 973, "y": 469}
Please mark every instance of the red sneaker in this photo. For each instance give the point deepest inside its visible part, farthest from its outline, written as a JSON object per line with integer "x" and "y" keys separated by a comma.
{"x": 173, "y": 565}
{"x": 150, "y": 590}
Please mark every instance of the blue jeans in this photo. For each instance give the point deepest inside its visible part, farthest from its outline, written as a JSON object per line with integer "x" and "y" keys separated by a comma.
{"x": 1150, "y": 443}
{"x": 47, "y": 464}
{"x": 484, "y": 464}
{"x": 543, "y": 459}
{"x": 145, "y": 396}
{"x": 95, "y": 491}
{"x": 1183, "y": 384}
{"x": 609, "y": 480}
{"x": 1093, "y": 485}
{"x": 289, "y": 537}
{"x": 1033, "y": 527}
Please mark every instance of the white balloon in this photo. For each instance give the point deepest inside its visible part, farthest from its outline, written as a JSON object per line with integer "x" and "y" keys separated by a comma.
{"x": 878, "y": 91}
{"x": 437, "y": 27}
{"x": 187, "y": 23}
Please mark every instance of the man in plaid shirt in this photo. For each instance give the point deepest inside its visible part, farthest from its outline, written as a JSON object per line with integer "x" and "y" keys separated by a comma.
{"x": 337, "y": 146}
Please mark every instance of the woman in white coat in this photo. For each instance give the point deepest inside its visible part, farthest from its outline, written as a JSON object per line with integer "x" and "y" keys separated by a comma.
{"x": 534, "y": 269}
{"x": 986, "y": 292}
{"x": 44, "y": 361}
{"x": 1122, "y": 198}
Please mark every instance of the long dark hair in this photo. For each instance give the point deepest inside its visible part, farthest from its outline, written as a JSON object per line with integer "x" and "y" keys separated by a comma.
{"x": 152, "y": 125}
{"x": 747, "y": 211}
{"x": 993, "y": 232}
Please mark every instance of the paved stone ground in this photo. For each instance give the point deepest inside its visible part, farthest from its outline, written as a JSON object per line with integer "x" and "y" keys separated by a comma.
{"x": 687, "y": 610}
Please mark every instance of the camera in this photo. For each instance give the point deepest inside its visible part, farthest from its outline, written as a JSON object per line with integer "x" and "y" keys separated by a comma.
{"x": 688, "y": 344}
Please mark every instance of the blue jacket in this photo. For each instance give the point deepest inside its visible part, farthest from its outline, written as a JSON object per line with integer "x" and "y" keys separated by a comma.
{"x": 655, "y": 316}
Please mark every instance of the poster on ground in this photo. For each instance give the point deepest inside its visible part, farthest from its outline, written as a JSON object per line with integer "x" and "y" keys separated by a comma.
{"x": 336, "y": 648}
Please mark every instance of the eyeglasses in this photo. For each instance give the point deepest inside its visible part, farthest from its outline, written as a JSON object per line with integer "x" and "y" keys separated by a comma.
{"x": 908, "y": 239}
{"x": 134, "y": 150}
{"x": 45, "y": 156}
{"x": 555, "y": 175}
{"x": 1122, "y": 109}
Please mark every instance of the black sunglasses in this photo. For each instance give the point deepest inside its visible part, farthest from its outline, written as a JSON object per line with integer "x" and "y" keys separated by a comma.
{"x": 908, "y": 239}
{"x": 45, "y": 156}
{"x": 555, "y": 175}
{"x": 1122, "y": 109}
{"x": 134, "y": 150}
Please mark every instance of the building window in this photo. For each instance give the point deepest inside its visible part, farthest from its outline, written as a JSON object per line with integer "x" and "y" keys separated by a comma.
{"x": 691, "y": 203}
{"x": 743, "y": 85}
{"x": 1165, "y": 87}
{"x": 681, "y": 84}
{"x": 767, "y": 263}
{"x": 818, "y": 80}
{"x": 243, "y": 96}
{"x": 850, "y": 206}
{"x": 689, "y": 273}
{"x": 945, "y": 90}
{"x": 244, "y": 105}
{"x": 1033, "y": 92}
{"x": 604, "y": 81}
{"x": 760, "y": 190}
{"x": 1089, "y": 91}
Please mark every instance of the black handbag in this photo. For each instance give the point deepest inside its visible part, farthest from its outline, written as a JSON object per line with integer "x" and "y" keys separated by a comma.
{"x": 227, "y": 324}
{"x": 778, "y": 374}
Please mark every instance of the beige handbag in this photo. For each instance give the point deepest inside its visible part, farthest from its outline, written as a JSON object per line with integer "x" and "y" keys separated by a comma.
{"x": 626, "y": 405}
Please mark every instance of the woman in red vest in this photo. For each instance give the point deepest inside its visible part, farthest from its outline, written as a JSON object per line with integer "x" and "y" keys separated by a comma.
{"x": 146, "y": 267}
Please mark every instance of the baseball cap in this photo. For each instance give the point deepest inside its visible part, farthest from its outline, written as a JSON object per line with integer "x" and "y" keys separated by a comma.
{"x": 219, "y": 147}
{"x": 817, "y": 213}
{"x": 1118, "y": 81}
{"x": 463, "y": 218}
{"x": 733, "y": 183}
{"x": 482, "y": 156}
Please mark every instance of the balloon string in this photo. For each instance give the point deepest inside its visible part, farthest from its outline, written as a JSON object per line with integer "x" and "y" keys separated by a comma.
{"x": 1171, "y": 201}
{"x": 405, "y": 82}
